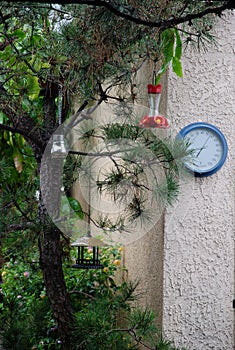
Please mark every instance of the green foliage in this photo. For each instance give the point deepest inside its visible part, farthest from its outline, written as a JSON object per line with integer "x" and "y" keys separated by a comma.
{"x": 141, "y": 165}
{"x": 79, "y": 53}
{"x": 25, "y": 312}
{"x": 171, "y": 46}
{"x": 107, "y": 312}
{"x": 147, "y": 152}
{"x": 105, "y": 305}
{"x": 24, "y": 79}
{"x": 96, "y": 328}
{"x": 68, "y": 203}
{"x": 84, "y": 46}
{"x": 93, "y": 282}
{"x": 19, "y": 183}
{"x": 25, "y": 315}
{"x": 76, "y": 206}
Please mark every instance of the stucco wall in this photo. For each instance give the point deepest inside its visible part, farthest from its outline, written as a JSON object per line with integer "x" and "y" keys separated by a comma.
{"x": 198, "y": 286}
{"x": 144, "y": 257}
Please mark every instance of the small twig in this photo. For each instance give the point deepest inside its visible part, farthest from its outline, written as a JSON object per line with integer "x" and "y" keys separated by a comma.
{"x": 132, "y": 333}
{"x": 97, "y": 154}
{"x": 9, "y": 128}
{"x": 21, "y": 211}
{"x": 73, "y": 120}
{"x": 19, "y": 227}
{"x": 83, "y": 293}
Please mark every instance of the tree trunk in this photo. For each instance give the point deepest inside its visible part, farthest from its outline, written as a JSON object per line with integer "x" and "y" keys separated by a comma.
{"x": 51, "y": 253}
{"x": 51, "y": 265}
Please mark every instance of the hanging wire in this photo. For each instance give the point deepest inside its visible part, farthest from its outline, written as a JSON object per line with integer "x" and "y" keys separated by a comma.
{"x": 60, "y": 102}
{"x": 89, "y": 203}
{"x": 154, "y": 73}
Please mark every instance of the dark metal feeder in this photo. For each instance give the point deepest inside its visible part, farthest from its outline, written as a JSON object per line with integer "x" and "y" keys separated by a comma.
{"x": 88, "y": 263}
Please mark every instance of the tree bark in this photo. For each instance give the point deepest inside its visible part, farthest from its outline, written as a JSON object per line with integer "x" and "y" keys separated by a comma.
{"x": 51, "y": 265}
{"x": 51, "y": 253}
{"x": 50, "y": 246}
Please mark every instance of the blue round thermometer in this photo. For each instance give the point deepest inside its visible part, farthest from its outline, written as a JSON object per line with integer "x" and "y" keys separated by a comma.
{"x": 209, "y": 148}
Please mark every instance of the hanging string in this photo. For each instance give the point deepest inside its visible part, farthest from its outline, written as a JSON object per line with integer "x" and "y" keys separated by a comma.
{"x": 89, "y": 204}
{"x": 154, "y": 73}
{"x": 60, "y": 102}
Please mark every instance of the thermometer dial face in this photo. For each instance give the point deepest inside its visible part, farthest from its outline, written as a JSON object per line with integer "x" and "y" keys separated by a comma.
{"x": 208, "y": 146}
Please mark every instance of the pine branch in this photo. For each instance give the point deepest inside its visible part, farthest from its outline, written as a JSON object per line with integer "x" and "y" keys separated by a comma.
{"x": 9, "y": 128}
{"x": 77, "y": 117}
{"x": 82, "y": 293}
{"x": 21, "y": 211}
{"x": 99, "y": 154}
{"x": 169, "y": 23}
{"x": 18, "y": 227}
{"x": 162, "y": 24}
{"x": 132, "y": 333}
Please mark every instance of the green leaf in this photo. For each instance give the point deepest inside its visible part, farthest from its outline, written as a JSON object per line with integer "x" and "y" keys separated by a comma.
{"x": 172, "y": 52}
{"x": 177, "y": 68}
{"x": 6, "y": 53}
{"x": 76, "y": 206}
{"x": 10, "y": 141}
{"x": 178, "y": 45}
{"x": 33, "y": 87}
{"x": 161, "y": 72}
{"x": 12, "y": 60}
{"x": 20, "y": 141}
{"x": 3, "y": 117}
{"x": 168, "y": 42}
{"x": 19, "y": 33}
{"x": 36, "y": 40}
{"x": 45, "y": 65}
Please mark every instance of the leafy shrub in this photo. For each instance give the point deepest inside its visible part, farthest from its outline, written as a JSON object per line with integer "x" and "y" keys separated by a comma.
{"x": 107, "y": 315}
{"x": 26, "y": 317}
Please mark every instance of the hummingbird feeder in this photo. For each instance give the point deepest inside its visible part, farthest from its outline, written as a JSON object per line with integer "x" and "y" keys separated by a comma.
{"x": 154, "y": 119}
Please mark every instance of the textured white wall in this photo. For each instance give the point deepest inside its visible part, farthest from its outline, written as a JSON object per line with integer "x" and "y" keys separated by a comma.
{"x": 199, "y": 231}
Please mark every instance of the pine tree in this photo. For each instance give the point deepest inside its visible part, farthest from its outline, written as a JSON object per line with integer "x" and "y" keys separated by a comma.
{"x": 83, "y": 49}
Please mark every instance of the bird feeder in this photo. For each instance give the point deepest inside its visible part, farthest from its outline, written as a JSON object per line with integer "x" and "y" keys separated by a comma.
{"x": 154, "y": 119}
{"x": 84, "y": 261}
{"x": 58, "y": 150}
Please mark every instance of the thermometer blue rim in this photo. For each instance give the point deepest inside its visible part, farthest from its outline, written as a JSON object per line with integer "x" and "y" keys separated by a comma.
{"x": 201, "y": 125}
